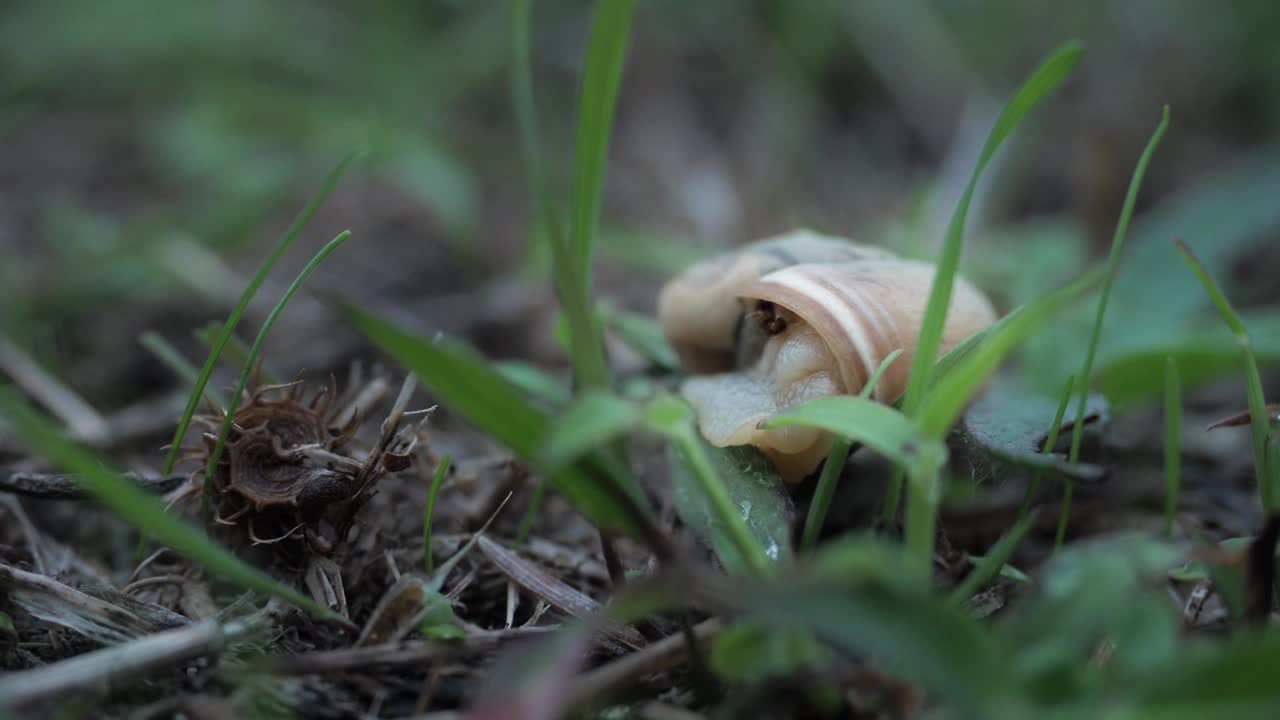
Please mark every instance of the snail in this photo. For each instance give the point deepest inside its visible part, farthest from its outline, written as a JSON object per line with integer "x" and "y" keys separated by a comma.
{"x": 699, "y": 309}
{"x": 816, "y": 326}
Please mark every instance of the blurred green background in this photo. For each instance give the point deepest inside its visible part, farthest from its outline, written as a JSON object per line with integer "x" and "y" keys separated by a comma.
{"x": 153, "y": 150}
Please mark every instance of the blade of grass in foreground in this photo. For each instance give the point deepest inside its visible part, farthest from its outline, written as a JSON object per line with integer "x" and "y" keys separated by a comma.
{"x": 234, "y": 318}
{"x": 1047, "y": 77}
{"x": 592, "y": 420}
{"x": 948, "y": 398}
{"x": 166, "y": 353}
{"x": 254, "y": 352}
{"x": 996, "y": 558}
{"x": 1258, "y": 421}
{"x": 465, "y": 383}
{"x": 144, "y": 512}
{"x": 598, "y": 96}
{"x": 1113, "y": 263}
{"x": 831, "y": 471}
{"x": 1172, "y": 443}
{"x": 522, "y": 98}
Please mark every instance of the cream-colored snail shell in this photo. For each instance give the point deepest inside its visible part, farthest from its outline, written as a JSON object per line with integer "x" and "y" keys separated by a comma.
{"x": 826, "y": 328}
{"x": 699, "y": 309}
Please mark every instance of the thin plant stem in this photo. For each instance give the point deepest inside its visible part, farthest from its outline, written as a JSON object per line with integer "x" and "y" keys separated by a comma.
{"x": 1113, "y": 264}
{"x": 1259, "y": 423}
{"x": 1172, "y": 442}
{"x": 436, "y": 481}
{"x": 526, "y": 523}
{"x": 831, "y": 471}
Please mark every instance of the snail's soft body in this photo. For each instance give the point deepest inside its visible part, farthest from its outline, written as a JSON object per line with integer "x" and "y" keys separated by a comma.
{"x": 814, "y": 329}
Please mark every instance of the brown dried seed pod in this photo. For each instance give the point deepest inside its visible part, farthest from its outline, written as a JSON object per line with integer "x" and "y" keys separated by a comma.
{"x": 283, "y": 462}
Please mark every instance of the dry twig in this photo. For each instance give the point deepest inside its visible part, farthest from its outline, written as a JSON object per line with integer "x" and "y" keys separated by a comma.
{"x": 97, "y": 670}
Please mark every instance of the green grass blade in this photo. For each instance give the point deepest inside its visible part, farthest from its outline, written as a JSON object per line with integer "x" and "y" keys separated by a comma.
{"x": 234, "y": 353}
{"x": 989, "y": 567}
{"x": 1113, "y": 263}
{"x": 465, "y": 383}
{"x": 597, "y": 99}
{"x": 166, "y": 353}
{"x": 948, "y": 398}
{"x": 531, "y": 514}
{"x": 254, "y": 352}
{"x": 1044, "y": 80}
{"x": 1172, "y": 443}
{"x": 644, "y": 335}
{"x": 535, "y": 382}
{"x": 596, "y": 102}
{"x": 1258, "y": 421}
{"x": 523, "y": 101}
{"x": 144, "y": 512}
{"x": 831, "y": 471}
{"x": 593, "y": 420}
{"x": 436, "y": 481}
{"x": 234, "y": 318}
{"x": 929, "y": 643}
{"x": 1047, "y": 77}
{"x": 1050, "y": 441}
{"x": 822, "y": 494}
{"x": 877, "y": 426}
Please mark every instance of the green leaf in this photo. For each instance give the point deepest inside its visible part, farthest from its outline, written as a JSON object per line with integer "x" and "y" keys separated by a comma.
{"x": 139, "y": 509}
{"x": 1240, "y": 674}
{"x": 534, "y": 381}
{"x": 754, "y": 493}
{"x": 858, "y": 556}
{"x": 1129, "y": 377}
{"x": 234, "y": 318}
{"x": 1010, "y": 423}
{"x": 254, "y": 353}
{"x": 591, "y": 421}
{"x": 730, "y": 497}
{"x": 643, "y": 334}
{"x": 750, "y": 652}
{"x": 6, "y": 622}
{"x": 909, "y": 632}
{"x": 437, "y": 621}
{"x": 877, "y": 426}
{"x": 1088, "y": 591}
{"x": 1154, "y": 312}
{"x": 468, "y": 386}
